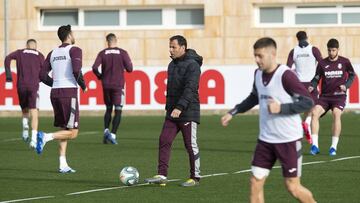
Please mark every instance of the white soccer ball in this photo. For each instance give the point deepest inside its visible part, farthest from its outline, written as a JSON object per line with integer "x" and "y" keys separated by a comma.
{"x": 129, "y": 175}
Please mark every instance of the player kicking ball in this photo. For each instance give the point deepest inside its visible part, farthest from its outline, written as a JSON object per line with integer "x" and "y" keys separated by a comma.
{"x": 65, "y": 62}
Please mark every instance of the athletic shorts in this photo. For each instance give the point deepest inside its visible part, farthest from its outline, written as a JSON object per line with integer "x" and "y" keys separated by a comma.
{"x": 113, "y": 96}
{"x": 331, "y": 102}
{"x": 314, "y": 94}
{"x": 289, "y": 155}
{"x": 66, "y": 110}
{"x": 28, "y": 98}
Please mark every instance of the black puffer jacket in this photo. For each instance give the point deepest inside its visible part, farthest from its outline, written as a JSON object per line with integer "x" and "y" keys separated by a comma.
{"x": 183, "y": 86}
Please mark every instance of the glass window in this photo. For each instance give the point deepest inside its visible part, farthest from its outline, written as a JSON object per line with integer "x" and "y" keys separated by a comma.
{"x": 144, "y": 17}
{"x": 60, "y": 17}
{"x": 349, "y": 18}
{"x": 190, "y": 16}
{"x": 316, "y": 18}
{"x": 271, "y": 15}
{"x": 101, "y": 18}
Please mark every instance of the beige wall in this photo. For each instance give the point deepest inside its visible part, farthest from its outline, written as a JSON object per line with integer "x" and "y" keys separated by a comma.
{"x": 227, "y": 38}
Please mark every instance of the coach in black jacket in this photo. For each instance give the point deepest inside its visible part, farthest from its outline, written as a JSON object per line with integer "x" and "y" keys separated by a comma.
{"x": 182, "y": 110}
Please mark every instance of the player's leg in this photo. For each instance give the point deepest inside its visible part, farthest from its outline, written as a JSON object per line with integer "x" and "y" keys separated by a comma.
{"x": 306, "y": 126}
{"x": 263, "y": 160}
{"x": 118, "y": 101}
{"x": 66, "y": 112}
{"x": 107, "y": 115}
{"x": 166, "y": 139}
{"x": 189, "y": 132}
{"x": 336, "y": 130}
{"x": 317, "y": 111}
{"x": 25, "y": 124}
{"x": 298, "y": 191}
{"x": 63, "y": 165}
{"x": 290, "y": 157}
{"x": 257, "y": 188}
{"x": 34, "y": 106}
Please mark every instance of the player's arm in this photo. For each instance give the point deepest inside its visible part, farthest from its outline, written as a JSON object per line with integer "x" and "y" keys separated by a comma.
{"x": 192, "y": 76}
{"x": 290, "y": 59}
{"x": 76, "y": 62}
{"x": 317, "y": 54}
{"x": 44, "y": 72}
{"x": 302, "y": 100}
{"x": 351, "y": 75}
{"x": 95, "y": 67}
{"x": 315, "y": 81}
{"x": 127, "y": 61}
{"x": 7, "y": 62}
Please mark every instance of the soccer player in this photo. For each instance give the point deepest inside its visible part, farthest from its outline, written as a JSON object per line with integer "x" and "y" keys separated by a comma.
{"x": 281, "y": 98}
{"x": 305, "y": 57}
{"x": 182, "y": 110}
{"x": 337, "y": 75}
{"x": 28, "y": 65}
{"x": 65, "y": 62}
{"x": 113, "y": 61}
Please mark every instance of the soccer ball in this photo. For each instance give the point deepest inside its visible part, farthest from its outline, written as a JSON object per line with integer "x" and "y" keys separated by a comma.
{"x": 129, "y": 175}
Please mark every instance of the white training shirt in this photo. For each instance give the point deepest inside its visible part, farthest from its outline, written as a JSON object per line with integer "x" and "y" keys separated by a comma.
{"x": 276, "y": 128}
{"x": 305, "y": 63}
{"x": 62, "y": 71}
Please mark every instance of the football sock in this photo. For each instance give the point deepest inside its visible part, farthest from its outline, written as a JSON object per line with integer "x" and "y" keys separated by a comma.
{"x": 48, "y": 137}
{"x": 315, "y": 139}
{"x": 107, "y": 116}
{"x": 25, "y": 123}
{"x": 63, "y": 162}
{"x": 334, "y": 141}
{"x": 116, "y": 121}
{"x": 33, "y": 135}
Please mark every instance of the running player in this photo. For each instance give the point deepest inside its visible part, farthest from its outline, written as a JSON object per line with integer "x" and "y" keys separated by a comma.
{"x": 337, "y": 75}
{"x": 28, "y": 65}
{"x": 305, "y": 57}
{"x": 281, "y": 98}
{"x": 65, "y": 62}
{"x": 113, "y": 61}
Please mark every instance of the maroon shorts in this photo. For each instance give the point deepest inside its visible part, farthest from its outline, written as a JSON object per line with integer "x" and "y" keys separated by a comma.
{"x": 331, "y": 102}
{"x": 28, "y": 98}
{"x": 66, "y": 110}
{"x": 314, "y": 94}
{"x": 289, "y": 155}
{"x": 113, "y": 96}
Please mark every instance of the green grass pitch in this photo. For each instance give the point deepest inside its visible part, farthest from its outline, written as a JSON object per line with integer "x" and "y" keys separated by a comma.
{"x": 24, "y": 174}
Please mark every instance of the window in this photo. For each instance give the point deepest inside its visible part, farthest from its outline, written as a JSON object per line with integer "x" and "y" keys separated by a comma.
{"x": 190, "y": 16}
{"x": 307, "y": 15}
{"x": 313, "y": 18}
{"x": 59, "y": 17}
{"x": 123, "y": 18}
{"x": 144, "y": 17}
{"x": 271, "y": 15}
{"x": 101, "y": 18}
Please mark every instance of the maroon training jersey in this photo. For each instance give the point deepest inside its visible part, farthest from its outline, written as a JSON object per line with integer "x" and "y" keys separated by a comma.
{"x": 113, "y": 62}
{"x": 334, "y": 74}
{"x": 28, "y": 65}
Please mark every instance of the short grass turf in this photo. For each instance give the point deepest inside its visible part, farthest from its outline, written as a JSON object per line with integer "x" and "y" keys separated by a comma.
{"x": 24, "y": 174}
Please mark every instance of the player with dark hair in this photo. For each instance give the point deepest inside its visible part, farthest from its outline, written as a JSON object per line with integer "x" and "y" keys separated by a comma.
{"x": 337, "y": 75}
{"x": 28, "y": 65}
{"x": 65, "y": 62}
{"x": 305, "y": 58}
{"x": 182, "y": 110}
{"x": 113, "y": 61}
{"x": 281, "y": 98}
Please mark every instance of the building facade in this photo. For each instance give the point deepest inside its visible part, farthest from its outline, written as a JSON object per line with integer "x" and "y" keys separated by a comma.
{"x": 223, "y": 31}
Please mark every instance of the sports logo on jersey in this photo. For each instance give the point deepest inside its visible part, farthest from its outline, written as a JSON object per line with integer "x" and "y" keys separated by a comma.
{"x": 327, "y": 66}
{"x": 339, "y": 66}
{"x": 112, "y": 51}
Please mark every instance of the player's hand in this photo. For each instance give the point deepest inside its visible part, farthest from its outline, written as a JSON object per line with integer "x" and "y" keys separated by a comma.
{"x": 274, "y": 107}
{"x": 175, "y": 113}
{"x": 310, "y": 88}
{"x": 85, "y": 90}
{"x": 226, "y": 119}
{"x": 343, "y": 88}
